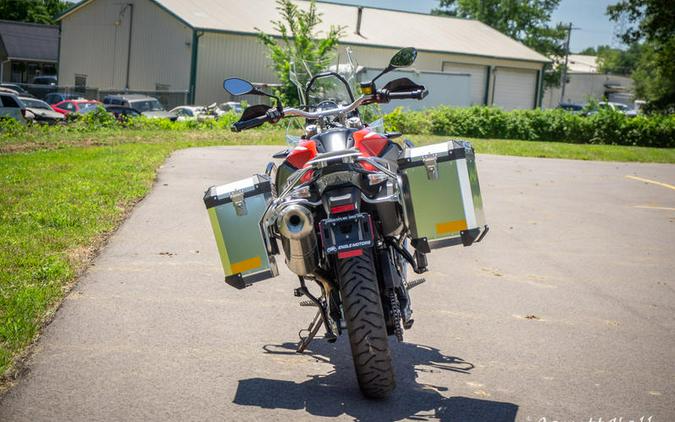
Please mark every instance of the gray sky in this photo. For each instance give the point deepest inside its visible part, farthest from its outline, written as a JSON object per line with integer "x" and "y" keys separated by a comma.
{"x": 588, "y": 15}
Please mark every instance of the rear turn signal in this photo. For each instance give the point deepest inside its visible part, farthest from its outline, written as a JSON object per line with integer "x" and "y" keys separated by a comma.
{"x": 376, "y": 178}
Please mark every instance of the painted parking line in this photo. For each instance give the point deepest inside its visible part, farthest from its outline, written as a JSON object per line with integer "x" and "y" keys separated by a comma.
{"x": 649, "y": 207}
{"x": 653, "y": 182}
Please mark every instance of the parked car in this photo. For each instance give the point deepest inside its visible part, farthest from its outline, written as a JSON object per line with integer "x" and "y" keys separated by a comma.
{"x": 638, "y": 106}
{"x": 11, "y": 106}
{"x": 573, "y": 108}
{"x": 44, "y": 80}
{"x": 9, "y": 91}
{"x": 605, "y": 105}
{"x": 230, "y": 106}
{"x": 75, "y": 106}
{"x": 121, "y": 112}
{"x": 192, "y": 113}
{"x": 16, "y": 88}
{"x": 57, "y": 97}
{"x": 147, "y": 106}
{"x": 39, "y": 111}
{"x": 613, "y": 106}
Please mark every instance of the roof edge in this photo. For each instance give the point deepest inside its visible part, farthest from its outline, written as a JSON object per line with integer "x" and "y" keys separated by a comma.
{"x": 27, "y": 23}
{"x": 71, "y": 9}
{"x": 170, "y": 12}
{"x": 74, "y": 8}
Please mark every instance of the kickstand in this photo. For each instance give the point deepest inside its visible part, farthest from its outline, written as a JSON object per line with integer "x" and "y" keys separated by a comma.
{"x": 311, "y": 332}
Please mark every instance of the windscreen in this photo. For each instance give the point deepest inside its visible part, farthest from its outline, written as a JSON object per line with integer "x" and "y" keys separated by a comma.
{"x": 33, "y": 103}
{"x": 336, "y": 85}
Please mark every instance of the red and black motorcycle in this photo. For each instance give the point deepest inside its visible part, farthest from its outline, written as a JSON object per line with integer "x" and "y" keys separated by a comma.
{"x": 335, "y": 208}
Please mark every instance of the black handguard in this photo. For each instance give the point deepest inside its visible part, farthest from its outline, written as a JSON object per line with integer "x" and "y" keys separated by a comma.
{"x": 249, "y": 124}
{"x": 272, "y": 115}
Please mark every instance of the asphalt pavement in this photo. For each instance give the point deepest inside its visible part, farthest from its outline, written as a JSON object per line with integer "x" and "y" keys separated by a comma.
{"x": 566, "y": 311}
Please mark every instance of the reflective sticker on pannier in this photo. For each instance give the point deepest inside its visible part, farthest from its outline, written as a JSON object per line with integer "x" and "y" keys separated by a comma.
{"x": 247, "y": 264}
{"x": 450, "y": 226}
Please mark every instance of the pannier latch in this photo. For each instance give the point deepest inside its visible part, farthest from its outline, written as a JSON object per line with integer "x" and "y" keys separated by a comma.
{"x": 431, "y": 165}
{"x": 239, "y": 202}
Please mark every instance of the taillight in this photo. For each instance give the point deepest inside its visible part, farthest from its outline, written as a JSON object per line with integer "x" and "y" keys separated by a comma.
{"x": 350, "y": 254}
{"x": 342, "y": 208}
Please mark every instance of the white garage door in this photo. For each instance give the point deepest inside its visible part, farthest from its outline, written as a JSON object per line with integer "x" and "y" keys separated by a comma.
{"x": 478, "y": 74}
{"x": 515, "y": 88}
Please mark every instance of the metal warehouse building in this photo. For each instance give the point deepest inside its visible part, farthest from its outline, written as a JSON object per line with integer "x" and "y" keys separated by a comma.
{"x": 192, "y": 45}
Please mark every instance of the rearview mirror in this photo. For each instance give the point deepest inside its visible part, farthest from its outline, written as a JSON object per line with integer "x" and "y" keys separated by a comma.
{"x": 404, "y": 58}
{"x": 236, "y": 86}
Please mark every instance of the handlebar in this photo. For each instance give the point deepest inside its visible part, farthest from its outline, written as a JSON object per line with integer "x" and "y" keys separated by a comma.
{"x": 381, "y": 97}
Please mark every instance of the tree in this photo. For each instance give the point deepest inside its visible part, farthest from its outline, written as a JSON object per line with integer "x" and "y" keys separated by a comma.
{"x": 651, "y": 21}
{"x": 299, "y": 40}
{"x": 615, "y": 60}
{"x": 527, "y": 21}
{"x": 37, "y": 11}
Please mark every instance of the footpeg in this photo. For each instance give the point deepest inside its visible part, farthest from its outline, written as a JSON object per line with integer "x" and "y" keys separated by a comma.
{"x": 307, "y": 303}
{"x": 414, "y": 283}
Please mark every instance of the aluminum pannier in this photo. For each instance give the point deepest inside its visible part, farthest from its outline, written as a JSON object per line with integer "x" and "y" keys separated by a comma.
{"x": 443, "y": 203}
{"x": 235, "y": 210}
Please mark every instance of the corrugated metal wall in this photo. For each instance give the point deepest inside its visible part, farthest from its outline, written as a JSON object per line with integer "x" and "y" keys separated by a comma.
{"x": 95, "y": 43}
{"x": 161, "y": 50}
{"x": 226, "y": 55}
{"x": 222, "y": 55}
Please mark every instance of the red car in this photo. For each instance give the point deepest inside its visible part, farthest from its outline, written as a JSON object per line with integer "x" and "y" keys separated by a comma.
{"x": 75, "y": 106}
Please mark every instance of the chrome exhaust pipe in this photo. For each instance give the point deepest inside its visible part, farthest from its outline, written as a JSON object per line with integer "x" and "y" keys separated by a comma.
{"x": 298, "y": 239}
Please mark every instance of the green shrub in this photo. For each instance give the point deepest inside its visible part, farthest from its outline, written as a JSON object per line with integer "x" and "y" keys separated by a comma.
{"x": 11, "y": 128}
{"x": 99, "y": 119}
{"x": 605, "y": 127}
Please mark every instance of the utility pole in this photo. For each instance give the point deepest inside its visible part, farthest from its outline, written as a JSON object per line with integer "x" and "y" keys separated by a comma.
{"x": 131, "y": 25}
{"x": 563, "y": 75}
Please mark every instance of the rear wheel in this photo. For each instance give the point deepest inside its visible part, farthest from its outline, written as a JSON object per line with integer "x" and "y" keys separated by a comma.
{"x": 366, "y": 325}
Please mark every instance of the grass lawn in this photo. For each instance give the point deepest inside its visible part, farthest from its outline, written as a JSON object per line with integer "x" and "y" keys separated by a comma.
{"x": 62, "y": 195}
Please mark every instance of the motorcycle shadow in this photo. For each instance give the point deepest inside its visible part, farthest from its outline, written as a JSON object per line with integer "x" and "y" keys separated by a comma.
{"x": 337, "y": 393}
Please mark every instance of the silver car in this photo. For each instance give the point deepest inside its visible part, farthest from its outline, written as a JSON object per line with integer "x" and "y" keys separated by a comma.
{"x": 11, "y": 106}
{"x": 39, "y": 111}
{"x": 146, "y": 105}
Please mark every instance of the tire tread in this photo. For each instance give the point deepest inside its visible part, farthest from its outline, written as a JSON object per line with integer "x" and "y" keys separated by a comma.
{"x": 365, "y": 322}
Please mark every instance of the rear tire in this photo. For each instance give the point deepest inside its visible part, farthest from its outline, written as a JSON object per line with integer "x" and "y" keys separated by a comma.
{"x": 366, "y": 325}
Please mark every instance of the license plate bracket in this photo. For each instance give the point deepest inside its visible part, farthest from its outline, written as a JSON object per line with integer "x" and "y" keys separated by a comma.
{"x": 346, "y": 233}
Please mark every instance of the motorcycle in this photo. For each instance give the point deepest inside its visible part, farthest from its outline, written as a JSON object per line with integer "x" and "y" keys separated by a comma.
{"x": 344, "y": 205}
